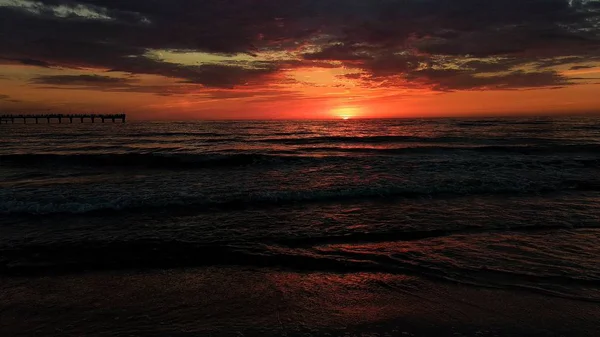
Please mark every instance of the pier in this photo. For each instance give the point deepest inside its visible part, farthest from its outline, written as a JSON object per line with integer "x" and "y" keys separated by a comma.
{"x": 35, "y": 119}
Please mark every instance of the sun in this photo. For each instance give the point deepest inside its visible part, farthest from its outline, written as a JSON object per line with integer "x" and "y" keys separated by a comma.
{"x": 345, "y": 112}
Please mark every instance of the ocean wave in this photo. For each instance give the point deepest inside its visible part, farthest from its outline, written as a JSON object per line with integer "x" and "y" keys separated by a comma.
{"x": 501, "y": 122}
{"x": 360, "y": 139}
{"x": 444, "y": 142}
{"x": 148, "y": 160}
{"x": 239, "y": 158}
{"x": 518, "y": 149}
{"x": 175, "y": 134}
{"x": 199, "y": 202}
{"x": 99, "y": 255}
{"x": 136, "y": 254}
{"x": 593, "y": 127}
{"x": 416, "y": 235}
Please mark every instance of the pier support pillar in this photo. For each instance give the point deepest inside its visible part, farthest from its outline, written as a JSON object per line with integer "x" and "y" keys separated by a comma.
{"x": 35, "y": 118}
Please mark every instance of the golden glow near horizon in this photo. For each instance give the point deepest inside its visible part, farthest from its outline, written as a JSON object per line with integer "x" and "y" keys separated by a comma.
{"x": 347, "y": 112}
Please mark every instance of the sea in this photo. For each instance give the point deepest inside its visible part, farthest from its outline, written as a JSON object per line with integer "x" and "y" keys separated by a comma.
{"x": 485, "y": 203}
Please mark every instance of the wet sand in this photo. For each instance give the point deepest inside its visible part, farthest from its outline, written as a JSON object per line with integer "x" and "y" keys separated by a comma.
{"x": 266, "y": 302}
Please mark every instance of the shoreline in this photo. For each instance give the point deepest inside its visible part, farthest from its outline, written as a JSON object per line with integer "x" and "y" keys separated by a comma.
{"x": 228, "y": 301}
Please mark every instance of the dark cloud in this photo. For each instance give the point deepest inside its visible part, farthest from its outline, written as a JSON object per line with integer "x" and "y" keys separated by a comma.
{"x": 225, "y": 76}
{"x": 525, "y": 41}
{"x": 107, "y": 83}
{"x": 37, "y": 63}
{"x": 218, "y": 77}
{"x": 115, "y": 45}
{"x": 492, "y": 65}
{"x": 582, "y": 67}
{"x": 95, "y": 80}
{"x": 339, "y": 52}
{"x": 448, "y": 44}
{"x": 393, "y": 64}
{"x": 28, "y": 62}
{"x": 7, "y": 98}
{"x": 456, "y": 80}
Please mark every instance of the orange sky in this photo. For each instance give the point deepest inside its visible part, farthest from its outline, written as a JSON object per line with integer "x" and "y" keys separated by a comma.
{"x": 320, "y": 95}
{"x": 362, "y": 60}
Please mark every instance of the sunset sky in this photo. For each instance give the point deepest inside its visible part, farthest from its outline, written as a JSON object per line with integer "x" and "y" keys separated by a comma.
{"x": 188, "y": 59}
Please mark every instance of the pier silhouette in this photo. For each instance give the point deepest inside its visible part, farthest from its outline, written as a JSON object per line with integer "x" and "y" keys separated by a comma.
{"x": 5, "y": 119}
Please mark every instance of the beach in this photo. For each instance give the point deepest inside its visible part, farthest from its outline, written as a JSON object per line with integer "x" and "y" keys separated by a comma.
{"x": 263, "y": 302}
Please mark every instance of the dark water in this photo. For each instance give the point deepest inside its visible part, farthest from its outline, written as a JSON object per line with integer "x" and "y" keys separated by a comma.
{"x": 508, "y": 203}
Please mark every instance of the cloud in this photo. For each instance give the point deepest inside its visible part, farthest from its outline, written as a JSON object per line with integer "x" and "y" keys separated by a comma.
{"x": 68, "y": 10}
{"x": 338, "y": 52}
{"x": 465, "y": 81}
{"x": 107, "y": 84}
{"x": 95, "y": 80}
{"x": 581, "y": 67}
{"x": 7, "y": 98}
{"x": 457, "y": 45}
{"x": 27, "y": 62}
